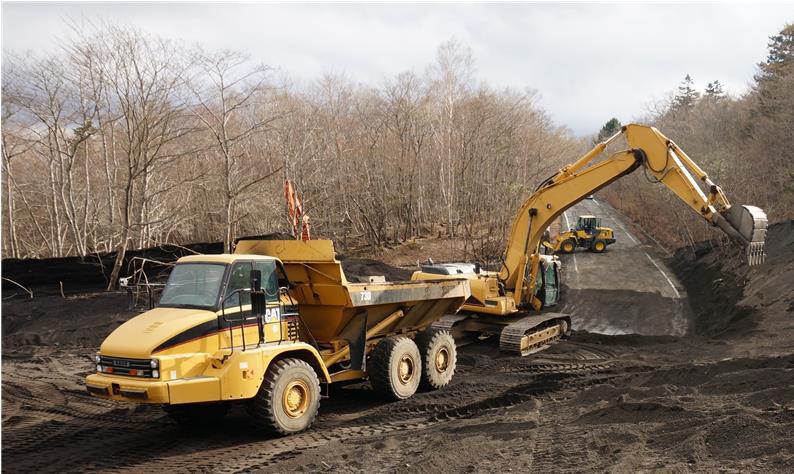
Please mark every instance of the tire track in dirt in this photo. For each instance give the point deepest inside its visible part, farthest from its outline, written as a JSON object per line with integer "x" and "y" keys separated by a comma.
{"x": 73, "y": 428}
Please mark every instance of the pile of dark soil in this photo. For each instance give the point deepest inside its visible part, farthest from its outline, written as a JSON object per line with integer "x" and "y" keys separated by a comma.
{"x": 80, "y": 320}
{"x": 732, "y": 300}
{"x": 358, "y": 269}
{"x": 47, "y": 276}
{"x": 72, "y": 275}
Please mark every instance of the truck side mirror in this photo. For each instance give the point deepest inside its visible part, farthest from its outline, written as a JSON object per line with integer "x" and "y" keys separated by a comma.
{"x": 256, "y": 281}
{"x": 258, "y": 303}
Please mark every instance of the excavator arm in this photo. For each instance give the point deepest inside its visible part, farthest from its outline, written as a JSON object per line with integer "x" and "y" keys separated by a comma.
{"x": 663, "y": 160}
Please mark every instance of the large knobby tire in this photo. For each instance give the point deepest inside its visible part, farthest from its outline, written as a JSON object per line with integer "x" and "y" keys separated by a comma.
{"x": 288, "y": 399}
{"x": 395, "y": 368}
{"x": 568, "y": 246}
{"x": 439, "y": 357}
{"x": 598, "y": 246}
{"x": 197, "y": 414}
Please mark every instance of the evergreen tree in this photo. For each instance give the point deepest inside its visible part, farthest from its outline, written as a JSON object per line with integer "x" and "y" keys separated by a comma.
{"x": 781, "y": 53}
{"x": 610, "y": 128}
{"x": 715, "y": 90}
{"x": 773, "y": 78}
{"x": 687, "y": 96}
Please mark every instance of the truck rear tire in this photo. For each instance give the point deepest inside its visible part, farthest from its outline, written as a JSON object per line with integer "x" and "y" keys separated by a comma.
{"x": 288, "y": 399}
{"x": 568, "y": 246}
{"x": 439, "y": 357}
{"x": 395, "y": 368}
{"x": 197, "y": 414}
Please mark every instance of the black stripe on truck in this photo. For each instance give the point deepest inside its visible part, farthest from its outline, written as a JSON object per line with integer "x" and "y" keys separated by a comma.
{"x": 197, "y": 332}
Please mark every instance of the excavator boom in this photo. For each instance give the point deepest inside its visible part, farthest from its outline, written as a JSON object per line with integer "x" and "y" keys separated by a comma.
{"x": 501, "y": 302}
{"x": 664, "y": 161}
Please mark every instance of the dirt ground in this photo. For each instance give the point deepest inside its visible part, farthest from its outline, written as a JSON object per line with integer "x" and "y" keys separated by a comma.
{"x": 640, "y": 396}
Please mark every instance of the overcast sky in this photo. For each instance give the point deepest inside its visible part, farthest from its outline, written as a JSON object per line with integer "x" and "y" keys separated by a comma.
{"x": 589, "y": 62}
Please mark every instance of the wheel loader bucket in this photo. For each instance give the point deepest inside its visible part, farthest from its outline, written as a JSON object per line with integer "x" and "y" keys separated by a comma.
{"x": 747, "y": 225}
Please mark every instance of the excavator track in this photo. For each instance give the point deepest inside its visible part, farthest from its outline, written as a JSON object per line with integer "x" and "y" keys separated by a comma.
{"x": 534, "y": 333}
{"x": 448, "y": 321}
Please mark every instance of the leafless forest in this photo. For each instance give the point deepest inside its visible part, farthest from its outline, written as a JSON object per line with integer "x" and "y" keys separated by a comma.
{"x": 119, "y": 139}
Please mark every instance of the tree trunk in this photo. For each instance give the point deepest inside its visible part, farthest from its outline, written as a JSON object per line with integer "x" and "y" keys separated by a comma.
{"x": 121, "y": 251}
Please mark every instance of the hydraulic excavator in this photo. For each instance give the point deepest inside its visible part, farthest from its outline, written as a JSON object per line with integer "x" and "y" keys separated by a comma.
{"x": 508, "y": 303}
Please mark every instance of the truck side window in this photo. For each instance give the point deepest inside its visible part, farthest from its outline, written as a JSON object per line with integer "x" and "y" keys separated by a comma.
{"x": 269, "y": 279}
{"x": 240, "y": 277}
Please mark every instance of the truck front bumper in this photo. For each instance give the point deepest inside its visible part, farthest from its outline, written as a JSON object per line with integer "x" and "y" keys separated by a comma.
{"x": 187, "y": 390}
{"x": 124, "y": 388}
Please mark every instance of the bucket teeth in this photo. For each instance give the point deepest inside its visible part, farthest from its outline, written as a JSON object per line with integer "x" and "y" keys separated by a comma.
{"x": 755, "y": 253}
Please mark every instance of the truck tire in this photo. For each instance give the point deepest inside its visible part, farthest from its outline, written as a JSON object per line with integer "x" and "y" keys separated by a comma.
{"x": 439, "y": 357}
{"x": 288, "y": 399}
{"x": 197, "y": 414}
{"x": 395, "y": 368}
{"x": 568, "y": 246}
{"x": 598, "y": 246}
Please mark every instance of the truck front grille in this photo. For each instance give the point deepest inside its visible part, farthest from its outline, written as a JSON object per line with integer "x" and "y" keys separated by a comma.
{"x": 128, "y": 367}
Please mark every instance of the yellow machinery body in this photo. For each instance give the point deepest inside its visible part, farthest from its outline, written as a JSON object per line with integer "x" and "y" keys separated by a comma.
{"x": 183, "y": 353}
{"x": 588, "y": 234}
{"x": 498, "y": 298}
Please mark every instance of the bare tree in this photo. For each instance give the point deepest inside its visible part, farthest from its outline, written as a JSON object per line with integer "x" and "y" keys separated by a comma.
{"x": 231, "y": 104}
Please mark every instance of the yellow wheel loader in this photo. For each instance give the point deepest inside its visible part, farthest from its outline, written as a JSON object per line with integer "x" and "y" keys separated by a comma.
{"x": 587, "y": 234}
{"x": 509, "y": 303}
{"x": 271, "y": 325}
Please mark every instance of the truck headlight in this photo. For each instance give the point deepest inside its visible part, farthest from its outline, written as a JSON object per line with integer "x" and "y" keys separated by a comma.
{"x": 154, "y": 363}
{"x": 98, "y": 368}
{"x": 97, "y": 358}
{"x": 155, "y": 374}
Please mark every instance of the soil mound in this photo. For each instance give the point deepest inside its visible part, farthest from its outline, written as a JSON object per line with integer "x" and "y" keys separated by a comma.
{"x": 358, "y": 269}
{"x": 48, "y": 276}
{"x": 732, "y": 300}
{"x": 82, "y": 320}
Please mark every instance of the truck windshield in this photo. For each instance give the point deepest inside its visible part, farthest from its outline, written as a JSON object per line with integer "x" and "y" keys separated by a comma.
{"x": 193, "y": 285}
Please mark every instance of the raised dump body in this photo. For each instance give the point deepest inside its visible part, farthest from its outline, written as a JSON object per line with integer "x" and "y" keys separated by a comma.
{"x": 267, "y": 326}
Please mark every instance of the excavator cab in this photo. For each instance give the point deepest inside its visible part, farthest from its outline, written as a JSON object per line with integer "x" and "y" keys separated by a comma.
{"x": 547, "y": 285}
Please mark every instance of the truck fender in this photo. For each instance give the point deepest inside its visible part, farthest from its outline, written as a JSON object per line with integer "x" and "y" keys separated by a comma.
{"x": 306, "y": 353}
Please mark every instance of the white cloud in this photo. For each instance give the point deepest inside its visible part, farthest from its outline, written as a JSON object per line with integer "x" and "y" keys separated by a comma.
{"x": 589, "y": 62}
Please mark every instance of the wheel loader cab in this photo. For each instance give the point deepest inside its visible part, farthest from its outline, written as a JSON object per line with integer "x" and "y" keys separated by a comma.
{"x": 588, "y": 223}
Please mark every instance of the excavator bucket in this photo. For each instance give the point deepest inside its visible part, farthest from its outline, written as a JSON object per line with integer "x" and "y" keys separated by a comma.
{"x": 747, "y": 224}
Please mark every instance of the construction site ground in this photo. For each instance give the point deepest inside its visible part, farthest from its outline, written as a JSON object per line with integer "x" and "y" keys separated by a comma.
{"x": 678, "y": 363}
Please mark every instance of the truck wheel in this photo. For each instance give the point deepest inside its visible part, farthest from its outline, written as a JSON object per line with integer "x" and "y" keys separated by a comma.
{"x": 439, "y": 357}
{"x": 598, "y": 246}
{"x": 197, "y": 414}
{"x": 568, "y": 246}
{"x": 288, "y": 399}
{"x": 395, "y": 368}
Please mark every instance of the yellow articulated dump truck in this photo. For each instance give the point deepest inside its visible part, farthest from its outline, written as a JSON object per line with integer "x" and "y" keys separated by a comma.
{"x": 270, "y": 326}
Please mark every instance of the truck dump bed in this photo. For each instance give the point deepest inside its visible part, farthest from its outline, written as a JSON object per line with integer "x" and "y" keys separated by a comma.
{"x": 334, "y": 309}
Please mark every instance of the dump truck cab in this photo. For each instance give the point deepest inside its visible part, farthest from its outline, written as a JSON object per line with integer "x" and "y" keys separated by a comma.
{"x": 185, "y": 349}
{"x": 269, "y": 326}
